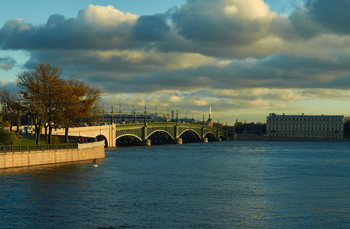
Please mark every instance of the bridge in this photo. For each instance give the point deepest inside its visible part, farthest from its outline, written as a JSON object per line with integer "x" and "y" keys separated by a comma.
{"x": 149, "y": 133}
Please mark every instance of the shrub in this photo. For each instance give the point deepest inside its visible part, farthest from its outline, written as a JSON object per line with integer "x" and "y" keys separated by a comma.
{"x": 55, "y": 140}
{"x": 9, "y": 137}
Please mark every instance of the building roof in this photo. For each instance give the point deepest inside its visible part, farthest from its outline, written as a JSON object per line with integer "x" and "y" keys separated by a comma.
{"x": 306, "y": 116}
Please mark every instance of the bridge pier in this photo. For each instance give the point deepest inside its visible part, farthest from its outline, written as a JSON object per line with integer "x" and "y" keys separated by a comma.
{"x": 235, "y": 136}
{"x": 205, "y": 140}
{"x": 179, "y": 141}
{"x": 147, "y": 142}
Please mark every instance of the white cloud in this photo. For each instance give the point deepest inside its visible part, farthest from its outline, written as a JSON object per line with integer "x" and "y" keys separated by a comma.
{"x": 174, "y": 99}
{"x": 250, "y": 9}
{"x": 106, "y": 17}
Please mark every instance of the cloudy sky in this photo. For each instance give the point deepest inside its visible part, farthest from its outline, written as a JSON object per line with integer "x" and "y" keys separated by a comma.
{"x": 245, "y": 58}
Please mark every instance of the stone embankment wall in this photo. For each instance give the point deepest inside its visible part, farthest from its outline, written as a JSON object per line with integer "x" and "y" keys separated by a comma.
{"x": 86, "y": 151}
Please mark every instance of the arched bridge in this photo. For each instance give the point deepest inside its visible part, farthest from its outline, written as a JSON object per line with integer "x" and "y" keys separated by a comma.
{"x": 167, "y": 132}
{"x": 155, "y": 132}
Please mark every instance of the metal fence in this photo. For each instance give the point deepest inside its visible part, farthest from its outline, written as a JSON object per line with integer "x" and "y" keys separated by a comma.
{"x": 17, "y": 148}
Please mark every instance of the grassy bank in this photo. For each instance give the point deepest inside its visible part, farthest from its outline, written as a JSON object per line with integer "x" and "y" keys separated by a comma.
{"x": 30, "y": 142}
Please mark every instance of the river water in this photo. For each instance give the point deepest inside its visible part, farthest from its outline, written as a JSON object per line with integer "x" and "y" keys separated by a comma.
{"x": 248, "y": 184}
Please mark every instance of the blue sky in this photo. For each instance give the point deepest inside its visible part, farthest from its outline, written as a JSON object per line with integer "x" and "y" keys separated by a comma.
{"x": 245, "y": 58}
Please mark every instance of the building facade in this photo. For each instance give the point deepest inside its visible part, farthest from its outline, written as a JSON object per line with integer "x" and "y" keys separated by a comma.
{"x": 305, "y": 126}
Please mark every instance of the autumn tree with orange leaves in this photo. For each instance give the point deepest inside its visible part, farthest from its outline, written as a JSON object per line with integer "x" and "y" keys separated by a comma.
{"x": 80, "y": 97}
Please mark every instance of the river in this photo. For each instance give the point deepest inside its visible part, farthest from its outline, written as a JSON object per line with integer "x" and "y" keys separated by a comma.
{"x": 251, "y": 184}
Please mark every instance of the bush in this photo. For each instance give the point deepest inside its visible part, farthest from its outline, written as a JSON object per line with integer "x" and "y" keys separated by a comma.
{"x": 9, "y": 137}
{"x": 55, "y": 140}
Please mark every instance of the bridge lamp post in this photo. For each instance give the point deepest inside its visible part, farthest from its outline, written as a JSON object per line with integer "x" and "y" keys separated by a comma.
{"x": 112, "y": 113}
{"x": 103, "y": 111}
{"x": 177, "y": 117}
{"x": 134, "y": 113}
{"x": 145, "y": 115}
{"x": 120, "y": 113}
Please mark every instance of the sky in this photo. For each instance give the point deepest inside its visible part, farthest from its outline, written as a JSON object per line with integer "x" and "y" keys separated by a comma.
{"x": 244, "y": 58}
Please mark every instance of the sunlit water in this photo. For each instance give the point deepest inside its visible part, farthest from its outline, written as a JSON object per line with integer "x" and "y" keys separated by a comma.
{"x": 214, "y": 185}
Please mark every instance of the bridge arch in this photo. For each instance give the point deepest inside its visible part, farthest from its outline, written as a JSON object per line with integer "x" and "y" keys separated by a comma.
{"x": 222, "y": 137}
{"x": 211, "y": 137}
{"x": 129, "y": 135}
{"x": 128, "y": 139}
{"x": 160, "y": 137}
{"x": 159, "y": 130}
{"x": 102, "y": 138}
{"x": 190, "y": 136}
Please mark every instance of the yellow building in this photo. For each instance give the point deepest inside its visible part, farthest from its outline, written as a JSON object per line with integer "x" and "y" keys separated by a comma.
{"x": 305, "y": 126}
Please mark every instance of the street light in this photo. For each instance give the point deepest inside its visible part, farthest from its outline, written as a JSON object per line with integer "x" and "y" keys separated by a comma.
{"x": 112, "y": 116}
{"x": 145, "y": 115}
{"x": 120, "y": 113}
{"x": 134, "y": 113}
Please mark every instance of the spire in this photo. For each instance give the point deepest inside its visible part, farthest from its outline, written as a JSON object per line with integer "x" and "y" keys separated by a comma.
{"x": 209, "y": 112}
{"x": 210, "y": 120}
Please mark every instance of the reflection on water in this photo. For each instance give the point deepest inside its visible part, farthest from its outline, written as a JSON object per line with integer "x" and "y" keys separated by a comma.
{"x": 49, "y": 167}
{"x": 216, "y": 185}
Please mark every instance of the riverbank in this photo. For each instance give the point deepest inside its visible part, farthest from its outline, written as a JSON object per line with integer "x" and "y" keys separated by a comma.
{"x": 86, "y": 151}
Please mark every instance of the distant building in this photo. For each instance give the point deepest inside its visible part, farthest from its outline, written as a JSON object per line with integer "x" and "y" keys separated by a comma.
{"x": 305, "y": 126}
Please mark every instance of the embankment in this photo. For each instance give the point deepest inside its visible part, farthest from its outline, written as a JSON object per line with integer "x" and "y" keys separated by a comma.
{"x": 86, "y": 151}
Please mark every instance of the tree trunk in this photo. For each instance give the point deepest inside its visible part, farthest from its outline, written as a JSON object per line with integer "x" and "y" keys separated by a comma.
{"x": 50, "y": 133}
{"x": 46, "y": 132}
{"x": 37, "y": 133}
{"x": 18, "y": 125}
{"x": 66, "y": 135}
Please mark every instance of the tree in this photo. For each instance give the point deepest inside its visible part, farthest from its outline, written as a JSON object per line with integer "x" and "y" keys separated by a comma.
{"x": 12, "y": 108}
{"x": 72, "y": 107}
{"x": 40, "y": 90}
{"x": 93, "y": 94}
{"x": 96, "y": 112}
{"x": 251, "y": 128}
{"x": 8, "y": 137}
{"x": 80, "y": 98}
{"x": 3, "y": 124}
{"x": 53, "y": 101}
{"x": 346, "y": 127}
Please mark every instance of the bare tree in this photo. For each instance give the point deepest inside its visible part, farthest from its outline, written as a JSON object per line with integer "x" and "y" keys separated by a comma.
{"x": 40, "y": 90}
{"x": 12, "y": 108}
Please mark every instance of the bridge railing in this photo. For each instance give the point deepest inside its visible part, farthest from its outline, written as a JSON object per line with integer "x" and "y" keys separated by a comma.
{"x": 167, "y": 123}
{"x": 18, "y": 148}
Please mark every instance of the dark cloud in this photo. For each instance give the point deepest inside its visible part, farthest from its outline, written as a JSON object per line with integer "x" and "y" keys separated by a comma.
{"x": 317, "y": 17}
{"x": 280, "y": 71}
{"x": 205, "y": 21}
{"x": 150, "y": 28}
{"x": 202, "y": 26}
{"x": 332, "y": 15}
{"x": 7, "y": 63}
{"x": 199, "y": 27}
{"x": 130, "y": 54}
{"x": 303, "y": 24}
